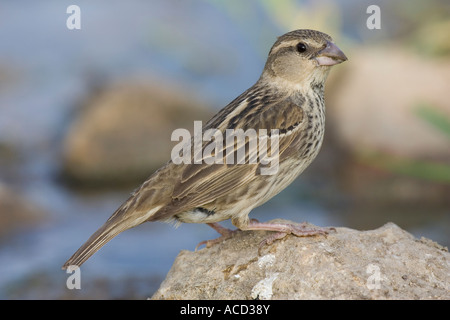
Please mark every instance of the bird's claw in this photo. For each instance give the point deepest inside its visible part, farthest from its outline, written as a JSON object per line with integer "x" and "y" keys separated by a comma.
{"x": 299, "y": 230}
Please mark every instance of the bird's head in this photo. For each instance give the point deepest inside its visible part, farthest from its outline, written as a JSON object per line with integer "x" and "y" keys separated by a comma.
{"x": 302, "y": 57}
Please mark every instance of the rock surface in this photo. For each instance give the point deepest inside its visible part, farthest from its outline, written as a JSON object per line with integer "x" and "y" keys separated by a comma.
{"x": 386, "y": 263}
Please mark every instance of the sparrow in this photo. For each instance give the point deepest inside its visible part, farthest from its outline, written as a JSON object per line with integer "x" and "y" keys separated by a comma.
{"x": 287, "y": 101}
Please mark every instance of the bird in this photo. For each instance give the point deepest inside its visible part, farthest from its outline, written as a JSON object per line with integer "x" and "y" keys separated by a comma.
{"x": 288, "y": 102}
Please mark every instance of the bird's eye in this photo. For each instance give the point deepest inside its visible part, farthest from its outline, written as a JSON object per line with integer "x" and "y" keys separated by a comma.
{"x": 301, "y": 47}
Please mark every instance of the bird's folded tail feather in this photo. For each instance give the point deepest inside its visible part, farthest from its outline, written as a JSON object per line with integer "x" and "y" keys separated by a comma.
{"x": 106, "y": 232}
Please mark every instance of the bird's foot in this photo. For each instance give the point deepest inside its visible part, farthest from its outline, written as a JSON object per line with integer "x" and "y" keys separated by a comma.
{"x": 282, "y": 230}
{"x": 225, "y": 234}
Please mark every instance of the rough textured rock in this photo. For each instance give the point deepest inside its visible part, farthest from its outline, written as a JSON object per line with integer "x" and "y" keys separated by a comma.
{"x": 123, "y": 133}
{"x": 386, "y": 263}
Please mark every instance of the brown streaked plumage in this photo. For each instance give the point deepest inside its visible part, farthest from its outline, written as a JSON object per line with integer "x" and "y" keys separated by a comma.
{"x": 288, "y": 97}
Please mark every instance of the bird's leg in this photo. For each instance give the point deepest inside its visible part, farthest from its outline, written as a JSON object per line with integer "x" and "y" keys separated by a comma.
{"x": 222, "y": 230}
{"x": 282, "y": 230}
{"x": 225, "y": 234}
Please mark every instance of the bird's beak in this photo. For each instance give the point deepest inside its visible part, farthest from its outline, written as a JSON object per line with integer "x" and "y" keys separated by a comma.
{"x": 330, "y": 55}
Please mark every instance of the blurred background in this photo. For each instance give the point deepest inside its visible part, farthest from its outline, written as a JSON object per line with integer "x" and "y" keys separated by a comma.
{"x": 86, "y": 116}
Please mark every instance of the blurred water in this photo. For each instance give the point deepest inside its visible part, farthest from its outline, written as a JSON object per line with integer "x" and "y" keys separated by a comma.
{"x": 46, "y": 69}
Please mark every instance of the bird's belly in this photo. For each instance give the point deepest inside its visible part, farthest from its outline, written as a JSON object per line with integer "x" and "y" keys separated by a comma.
{"x": 238, "y": 202}
{"x": 200, "y": 216}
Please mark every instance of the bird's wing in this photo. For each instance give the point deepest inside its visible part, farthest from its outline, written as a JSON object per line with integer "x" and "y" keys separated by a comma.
{"x": 199, "y": 184}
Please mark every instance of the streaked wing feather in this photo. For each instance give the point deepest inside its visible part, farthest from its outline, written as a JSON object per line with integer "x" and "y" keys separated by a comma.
{"x": 202, "y": 183}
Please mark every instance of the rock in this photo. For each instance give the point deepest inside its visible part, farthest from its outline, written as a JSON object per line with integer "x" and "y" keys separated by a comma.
{"x": 124, "y": 133}
{"x": 386, "y": 263}
{"x": 387, "y": 144}
{"x": 16, "y": 212}
{"x": 386, "y": 100}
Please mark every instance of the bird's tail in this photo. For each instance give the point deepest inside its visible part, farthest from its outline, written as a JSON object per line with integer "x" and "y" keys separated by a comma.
{"x": 127, "y": 216}
{"x": 109, "y": 230}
